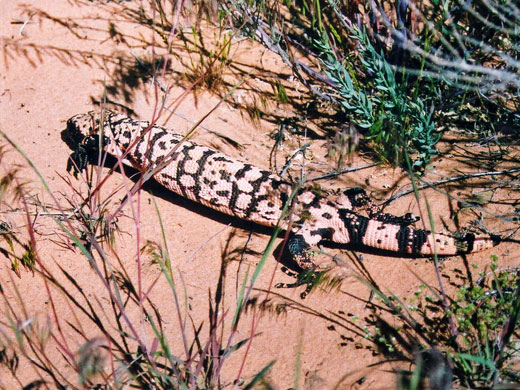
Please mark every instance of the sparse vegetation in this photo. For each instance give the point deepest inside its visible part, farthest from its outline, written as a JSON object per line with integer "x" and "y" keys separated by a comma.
{"x": 473, "y": 336}
{"x": 400, "y": 72}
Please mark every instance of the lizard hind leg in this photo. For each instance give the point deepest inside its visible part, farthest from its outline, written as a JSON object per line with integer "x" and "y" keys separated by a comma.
{"x": 356, "y": 199}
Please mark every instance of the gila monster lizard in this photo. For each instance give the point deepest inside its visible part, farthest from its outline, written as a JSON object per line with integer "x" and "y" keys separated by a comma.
{"x": 245, "y": 191}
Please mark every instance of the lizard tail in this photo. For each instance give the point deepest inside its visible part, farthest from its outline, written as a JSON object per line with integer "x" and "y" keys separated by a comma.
{"x": 406, "y": 239}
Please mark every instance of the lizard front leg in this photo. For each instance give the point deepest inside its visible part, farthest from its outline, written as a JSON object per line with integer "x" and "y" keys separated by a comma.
{"x": 302, "y": 248}
{"x": 86, "y": 152}
{"x": 302, "y": 245}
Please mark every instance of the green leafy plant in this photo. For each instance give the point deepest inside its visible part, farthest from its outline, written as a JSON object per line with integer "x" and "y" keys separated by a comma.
{"x": 395, "y": 122}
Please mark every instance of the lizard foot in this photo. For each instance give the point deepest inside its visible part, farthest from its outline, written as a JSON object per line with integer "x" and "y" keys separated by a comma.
{"x": 305, "y": 277}
{"x": 299, "y": 253}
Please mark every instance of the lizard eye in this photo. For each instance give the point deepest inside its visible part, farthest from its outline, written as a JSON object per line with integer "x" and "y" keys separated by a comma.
{"x": 92, "y": 141}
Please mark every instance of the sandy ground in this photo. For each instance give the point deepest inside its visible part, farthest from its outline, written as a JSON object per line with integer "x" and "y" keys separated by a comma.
{"x": 63, "y": 61}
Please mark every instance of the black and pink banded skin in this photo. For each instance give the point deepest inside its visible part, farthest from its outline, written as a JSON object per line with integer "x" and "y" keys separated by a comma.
{"x": 245, "y": 191}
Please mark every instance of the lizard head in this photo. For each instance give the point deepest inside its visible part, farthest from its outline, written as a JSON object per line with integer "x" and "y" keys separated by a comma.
{"x": 83, "y": 125}
{"x": 82, "y": 136}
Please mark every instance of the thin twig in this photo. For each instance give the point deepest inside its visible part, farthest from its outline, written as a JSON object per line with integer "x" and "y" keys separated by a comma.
{"x": 259, "y": 26}
{"x": 291, "y": 159}
{"x": 450, "y": 180}
{"x": 205, "y": 243}
{"x": 337, "y": 173}
{"x": 224, "y": 137}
